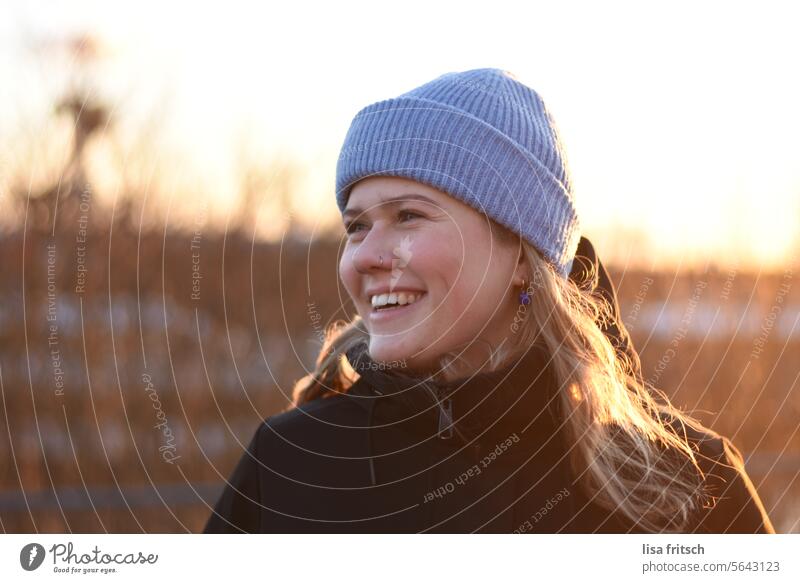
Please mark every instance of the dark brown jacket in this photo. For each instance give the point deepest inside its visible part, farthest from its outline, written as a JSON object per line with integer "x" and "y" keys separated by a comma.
{"x": 394, "y": 455}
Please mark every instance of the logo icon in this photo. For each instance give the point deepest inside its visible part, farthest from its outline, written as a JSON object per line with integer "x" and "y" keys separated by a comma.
{"x": 31, "y": 556}
{"x": 402, "y": 255}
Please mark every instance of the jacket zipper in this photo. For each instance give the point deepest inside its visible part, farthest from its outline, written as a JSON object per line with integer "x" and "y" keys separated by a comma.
{"x": 446, "y": 426}
{"x": 445, "y": 404}
{"x": 446, "y": 418}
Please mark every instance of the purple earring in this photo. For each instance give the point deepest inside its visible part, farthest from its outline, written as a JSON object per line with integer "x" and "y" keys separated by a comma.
{"x": 524, "y": 296}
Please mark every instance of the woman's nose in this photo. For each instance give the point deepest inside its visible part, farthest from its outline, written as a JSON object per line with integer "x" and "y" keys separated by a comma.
{"x": 374, "y": 252}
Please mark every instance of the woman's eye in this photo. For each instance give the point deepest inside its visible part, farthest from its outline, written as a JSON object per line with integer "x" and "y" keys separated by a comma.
{"x": 411, "y": 214}
{"x": 353, "y": 227}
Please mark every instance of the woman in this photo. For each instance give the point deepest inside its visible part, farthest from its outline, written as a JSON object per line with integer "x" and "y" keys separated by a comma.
{"x": 486, "y": 383}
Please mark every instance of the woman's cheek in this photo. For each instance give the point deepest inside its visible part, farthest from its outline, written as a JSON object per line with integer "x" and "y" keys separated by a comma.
{"x": 348, "y": 276}
{"x": 454, "y": 306}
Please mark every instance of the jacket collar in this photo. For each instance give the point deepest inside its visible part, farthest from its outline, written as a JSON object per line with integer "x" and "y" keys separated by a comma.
{"x": 486, "y": 406}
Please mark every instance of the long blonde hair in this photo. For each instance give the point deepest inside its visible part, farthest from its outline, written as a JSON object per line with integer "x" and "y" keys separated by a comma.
{"x": 626, "y": 453}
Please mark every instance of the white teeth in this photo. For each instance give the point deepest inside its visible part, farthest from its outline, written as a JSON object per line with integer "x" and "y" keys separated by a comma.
{"x": 401, "y": 298}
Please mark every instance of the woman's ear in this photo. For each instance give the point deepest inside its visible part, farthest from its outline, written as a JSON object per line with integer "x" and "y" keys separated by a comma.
{"x": 513, "y": 239}
{"x": 521, "y": 272}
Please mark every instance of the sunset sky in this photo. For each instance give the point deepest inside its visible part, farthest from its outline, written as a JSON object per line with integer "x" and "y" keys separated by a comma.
{"x": 681, "y": 122}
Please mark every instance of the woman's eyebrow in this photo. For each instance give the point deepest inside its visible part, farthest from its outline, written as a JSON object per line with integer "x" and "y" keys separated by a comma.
{"x": 390, "y": 201}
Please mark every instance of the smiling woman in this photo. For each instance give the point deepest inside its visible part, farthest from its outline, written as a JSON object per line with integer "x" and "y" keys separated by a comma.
{"x": 486, "y": 383}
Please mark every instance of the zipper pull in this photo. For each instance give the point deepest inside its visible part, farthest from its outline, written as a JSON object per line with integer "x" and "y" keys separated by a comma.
{"x": 446, "y": 418}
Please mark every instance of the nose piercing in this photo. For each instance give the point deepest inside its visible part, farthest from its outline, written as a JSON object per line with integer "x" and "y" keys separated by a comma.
{"x": 381, "y": 260}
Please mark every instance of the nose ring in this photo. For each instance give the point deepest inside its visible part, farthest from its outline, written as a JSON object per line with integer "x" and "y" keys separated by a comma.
{"x": 381, "y": 260}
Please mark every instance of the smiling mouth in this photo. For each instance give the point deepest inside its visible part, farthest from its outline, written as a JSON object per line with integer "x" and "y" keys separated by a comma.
{"x": 395, "y": 301}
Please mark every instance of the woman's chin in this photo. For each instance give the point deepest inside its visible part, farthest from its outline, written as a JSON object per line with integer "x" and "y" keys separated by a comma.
{"x": 387, "y": 352}
{"x": 409, "y": 360}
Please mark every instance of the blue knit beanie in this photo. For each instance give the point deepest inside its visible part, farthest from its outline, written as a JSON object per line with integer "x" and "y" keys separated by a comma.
{"x": 482, "y": 137}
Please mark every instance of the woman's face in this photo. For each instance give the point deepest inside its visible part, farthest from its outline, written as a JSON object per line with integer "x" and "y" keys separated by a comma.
{"x": 465, "y": 277}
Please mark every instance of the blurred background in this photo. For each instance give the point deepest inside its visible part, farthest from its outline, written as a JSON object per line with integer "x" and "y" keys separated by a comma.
{"x": 169, "y": 237}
